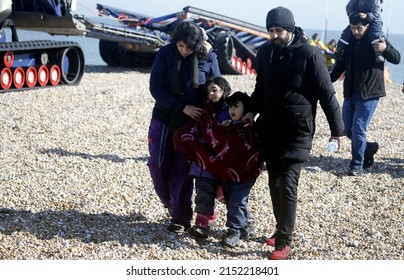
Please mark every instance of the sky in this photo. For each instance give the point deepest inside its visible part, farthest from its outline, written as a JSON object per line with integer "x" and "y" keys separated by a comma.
{"x": 309, "y": 14}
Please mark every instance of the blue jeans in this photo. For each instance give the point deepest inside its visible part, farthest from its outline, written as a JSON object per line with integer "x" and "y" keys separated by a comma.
{"x": 236, "y": 197}
{"x": 357, "y": 114}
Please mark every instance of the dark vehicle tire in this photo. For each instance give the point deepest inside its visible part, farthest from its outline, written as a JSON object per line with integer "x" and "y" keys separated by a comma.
{"x": 71, "y": 64}
{"x": 225, "y": 50}
{"x": 116, "y": 55}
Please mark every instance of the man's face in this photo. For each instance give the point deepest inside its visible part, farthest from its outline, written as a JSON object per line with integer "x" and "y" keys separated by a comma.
{"x": 359, "y": 30}
{"x": 279, "y": 37}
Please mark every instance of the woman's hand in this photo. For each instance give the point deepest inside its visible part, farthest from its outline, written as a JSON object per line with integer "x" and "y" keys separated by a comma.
{"x": 192, "y": 111}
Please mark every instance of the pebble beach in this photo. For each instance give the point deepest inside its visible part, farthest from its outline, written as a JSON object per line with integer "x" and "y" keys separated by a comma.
{"x": 74, "y": 182}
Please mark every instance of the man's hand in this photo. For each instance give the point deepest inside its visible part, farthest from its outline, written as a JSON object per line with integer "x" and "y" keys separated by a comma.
{"x": 338, "y": 139}
{"x": 249, "y": 117}
{"x": 380, "y": 46}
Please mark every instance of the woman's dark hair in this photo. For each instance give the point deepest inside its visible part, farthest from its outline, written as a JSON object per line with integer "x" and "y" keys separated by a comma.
{"x": 220, "y": 82}
{"x": 191, "y": 34}
{"x": 237, "y": 96}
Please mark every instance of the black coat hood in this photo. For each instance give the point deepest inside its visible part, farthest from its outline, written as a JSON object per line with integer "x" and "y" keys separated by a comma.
{"x": 290, "y": 82}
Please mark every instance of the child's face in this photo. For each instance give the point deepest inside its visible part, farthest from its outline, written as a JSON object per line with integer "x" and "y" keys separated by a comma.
{"x": 236, "y": 111}
{"x": 214, "y": 92}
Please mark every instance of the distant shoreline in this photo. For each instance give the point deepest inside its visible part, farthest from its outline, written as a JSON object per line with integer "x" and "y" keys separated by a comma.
{"x": 92, "y": 57}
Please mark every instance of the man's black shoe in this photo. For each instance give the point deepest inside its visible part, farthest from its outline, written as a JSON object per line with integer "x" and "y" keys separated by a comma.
{"x": 246, "y": 231}
{"x": 371, "y": 150}
{"x": 355, "y": 172}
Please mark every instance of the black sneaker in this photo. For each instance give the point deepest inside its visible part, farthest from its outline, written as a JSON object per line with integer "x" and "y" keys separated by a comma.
{"x": 246, "y": 231}
{"x": 355, "y": 172}
{"x": 177, "y": 228}
{"x": 231, "y": 238}
{"x": 169, "y": 212}
{"x": 371, "y": 150}
{"x": 200, "y": 232}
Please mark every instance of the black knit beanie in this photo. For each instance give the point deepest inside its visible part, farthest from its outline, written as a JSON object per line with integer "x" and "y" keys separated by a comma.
{"x": 281, "y": 17}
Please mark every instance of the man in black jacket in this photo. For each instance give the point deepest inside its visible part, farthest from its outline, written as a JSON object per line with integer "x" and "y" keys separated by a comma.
{"x": 363, "y": 86}
{"x": 292, "y": 77}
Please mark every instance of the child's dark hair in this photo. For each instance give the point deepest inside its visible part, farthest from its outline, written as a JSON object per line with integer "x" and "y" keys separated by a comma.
{"x": 220, "y": 82}
{"x": 237, "y": 96}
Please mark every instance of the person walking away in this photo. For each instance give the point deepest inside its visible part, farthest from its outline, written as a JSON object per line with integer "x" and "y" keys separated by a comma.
{"x": 363, "y": 87}
{"x": 177, "y": 77}
{"x": 291, "y": 78}
{"x": 369, "y": 10}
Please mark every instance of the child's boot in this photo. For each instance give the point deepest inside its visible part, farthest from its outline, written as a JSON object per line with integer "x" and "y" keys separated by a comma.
{"x": 201, "y": 227}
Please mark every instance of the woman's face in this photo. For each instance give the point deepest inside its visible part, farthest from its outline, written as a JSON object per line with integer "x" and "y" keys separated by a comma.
{"x": 236, "y": 111}
{"x": 183, "y": 49}
{"x": 214, "y": 92}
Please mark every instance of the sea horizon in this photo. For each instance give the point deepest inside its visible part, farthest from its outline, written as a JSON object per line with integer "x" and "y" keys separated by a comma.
{"x": 93, "y": 57}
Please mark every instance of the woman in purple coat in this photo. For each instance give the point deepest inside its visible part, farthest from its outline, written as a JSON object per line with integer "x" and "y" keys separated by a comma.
{"x": 177, "y": 83}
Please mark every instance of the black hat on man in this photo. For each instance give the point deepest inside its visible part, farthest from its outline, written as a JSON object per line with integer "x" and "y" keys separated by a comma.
{"x": 281, "y": 17}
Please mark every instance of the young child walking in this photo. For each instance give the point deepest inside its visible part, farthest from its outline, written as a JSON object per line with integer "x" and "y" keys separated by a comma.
{"x": 206, "y": 184}
{"x": 236, "y": 193}
{"x": 369, "y": 10}
{"x": 224, "y": 154}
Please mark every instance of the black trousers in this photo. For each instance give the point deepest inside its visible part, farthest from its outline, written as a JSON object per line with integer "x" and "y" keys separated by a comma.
{"x": 284, "y": 177}
{"x": 205, "y": 195}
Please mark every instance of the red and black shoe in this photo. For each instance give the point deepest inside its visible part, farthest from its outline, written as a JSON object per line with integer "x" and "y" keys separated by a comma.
{"x": 282, "y": 252}
{"x": 271, "y": 240}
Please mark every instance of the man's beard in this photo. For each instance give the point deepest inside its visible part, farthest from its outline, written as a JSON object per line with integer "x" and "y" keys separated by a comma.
{"x": 279, "y": 43}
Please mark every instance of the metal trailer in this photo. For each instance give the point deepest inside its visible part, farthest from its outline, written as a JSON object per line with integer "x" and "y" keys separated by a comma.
{"x": 133, "y": 39}
{"x": 41, "y": 63}
{"x": 127, "y": 39}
